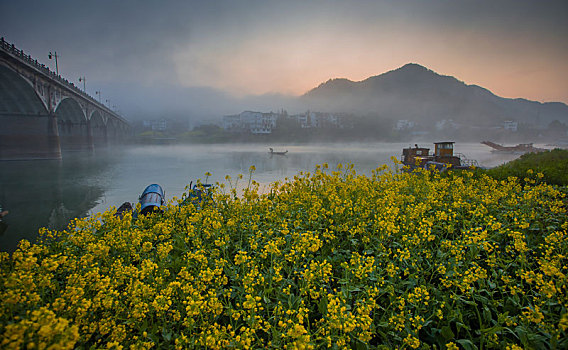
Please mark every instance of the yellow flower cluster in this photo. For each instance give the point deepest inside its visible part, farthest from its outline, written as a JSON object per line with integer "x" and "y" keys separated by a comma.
{"x": 327, "y": 259}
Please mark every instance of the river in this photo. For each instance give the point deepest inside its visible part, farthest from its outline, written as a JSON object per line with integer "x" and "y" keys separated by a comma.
{"x": 50, "y": 193}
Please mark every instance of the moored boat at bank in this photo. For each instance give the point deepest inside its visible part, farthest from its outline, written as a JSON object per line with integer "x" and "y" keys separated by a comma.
{"x": 521, "y": 148}
{"x": 153, "y": 198}
{"x": 442, "y": 158}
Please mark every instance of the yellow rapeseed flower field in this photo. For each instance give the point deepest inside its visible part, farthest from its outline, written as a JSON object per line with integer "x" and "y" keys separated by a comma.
{"x": 327, "y": 259}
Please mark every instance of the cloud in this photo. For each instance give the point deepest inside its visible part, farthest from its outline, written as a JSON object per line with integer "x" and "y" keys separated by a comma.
{"x": 256, "y": 47}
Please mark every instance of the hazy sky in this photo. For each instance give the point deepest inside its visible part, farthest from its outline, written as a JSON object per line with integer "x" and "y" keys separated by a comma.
{"x": 179, "y": 52}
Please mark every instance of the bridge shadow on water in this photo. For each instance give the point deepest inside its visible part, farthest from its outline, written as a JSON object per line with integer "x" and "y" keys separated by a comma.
{"x": 50, "y": 191}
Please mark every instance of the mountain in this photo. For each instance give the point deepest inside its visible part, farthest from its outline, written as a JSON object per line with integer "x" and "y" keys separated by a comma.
{"x": 416, "y": 93}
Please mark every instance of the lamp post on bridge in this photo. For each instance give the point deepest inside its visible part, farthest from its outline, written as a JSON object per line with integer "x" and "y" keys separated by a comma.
{"x": 82, "y": 79}
{"x": 98, "y": 93}
{"x": 51, "y": 55}
{"x": 108, "y": 103}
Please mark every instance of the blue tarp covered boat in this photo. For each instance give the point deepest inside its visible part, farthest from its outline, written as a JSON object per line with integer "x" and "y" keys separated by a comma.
{"x": 151, "y": 199}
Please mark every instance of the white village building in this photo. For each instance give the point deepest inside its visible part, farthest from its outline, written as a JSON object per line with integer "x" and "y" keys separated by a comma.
{"x": 253, "y": 122}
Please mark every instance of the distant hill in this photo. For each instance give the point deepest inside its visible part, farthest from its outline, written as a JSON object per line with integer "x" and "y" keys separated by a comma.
{"x": 417, "y": 93}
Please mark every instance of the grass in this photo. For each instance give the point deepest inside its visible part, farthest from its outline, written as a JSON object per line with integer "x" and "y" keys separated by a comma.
{"x": 553, "y": 165}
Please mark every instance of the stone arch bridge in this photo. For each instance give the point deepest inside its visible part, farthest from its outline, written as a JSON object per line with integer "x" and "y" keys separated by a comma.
{"x": 42, "y": 114}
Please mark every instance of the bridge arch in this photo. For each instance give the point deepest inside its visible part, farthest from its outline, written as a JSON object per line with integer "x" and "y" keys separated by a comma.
{"x": 18, "y": 96}
{"x": 113, "y": 131}
{"x": 27, "y": 130}
{"x": 98, "y": 129}
{"x": 72, "y": 126}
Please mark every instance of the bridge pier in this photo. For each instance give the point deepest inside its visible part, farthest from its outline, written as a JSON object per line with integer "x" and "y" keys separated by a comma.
{"x": 90, "y": 139}
{"x": 54, "y": 146}
{"x": 99, "y": 137}
{"x": 75, "y": 136}
{"x": 29, "y": 137}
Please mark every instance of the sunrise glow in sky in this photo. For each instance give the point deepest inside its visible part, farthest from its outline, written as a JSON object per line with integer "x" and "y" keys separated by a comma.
{"x": 513, "y": 48}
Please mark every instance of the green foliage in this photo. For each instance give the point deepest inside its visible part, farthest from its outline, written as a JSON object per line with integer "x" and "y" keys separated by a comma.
{"x": 329, "y": 259}
{"x": 150, "y": 134}
{"x": 208, "y": 133}
{"x": 289, "y": 130}
{"x": 553, "y": 165}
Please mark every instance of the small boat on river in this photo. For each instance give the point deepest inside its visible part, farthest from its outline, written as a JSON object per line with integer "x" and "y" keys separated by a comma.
{"x": 272, "y": 152}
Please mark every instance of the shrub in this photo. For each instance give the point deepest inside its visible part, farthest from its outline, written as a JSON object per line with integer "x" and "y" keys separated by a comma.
{"x": 553, "y": 165}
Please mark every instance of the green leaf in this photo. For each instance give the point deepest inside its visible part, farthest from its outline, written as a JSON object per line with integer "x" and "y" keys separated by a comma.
{"x": 447, "y": 333}
{"x": 522, "y": 334}
{"x": 359, "y": 345}
{"x": 467, "y": 344}
{"x": 322, "y": 306}
{"x": 492, "y": 330}
{"x": 486, "y": 314}
{"x": 167, "y": 335}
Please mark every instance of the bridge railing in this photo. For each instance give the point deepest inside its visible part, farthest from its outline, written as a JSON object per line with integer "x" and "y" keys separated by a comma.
{"x": 12, "y": 49}
{"x": 20, "y": 53}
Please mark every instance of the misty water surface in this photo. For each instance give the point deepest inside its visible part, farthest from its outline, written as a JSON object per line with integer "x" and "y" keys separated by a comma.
{"x": 50, "y": 193}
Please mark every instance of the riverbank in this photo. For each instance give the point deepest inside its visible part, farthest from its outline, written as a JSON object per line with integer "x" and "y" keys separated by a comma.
{"x": 552, "y": 165}
{"x": 49, "y": 194}
{"x": 328, "y": 258}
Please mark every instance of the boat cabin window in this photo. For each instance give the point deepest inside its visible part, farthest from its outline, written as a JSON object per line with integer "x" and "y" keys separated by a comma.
{"x": 445, "y": 145}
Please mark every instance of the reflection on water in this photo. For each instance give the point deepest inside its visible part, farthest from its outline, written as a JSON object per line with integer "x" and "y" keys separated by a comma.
{"x": 50, "y": 193}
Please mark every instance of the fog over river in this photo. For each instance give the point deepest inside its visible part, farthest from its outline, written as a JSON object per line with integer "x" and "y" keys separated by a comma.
{"x": 50, "y": 193}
